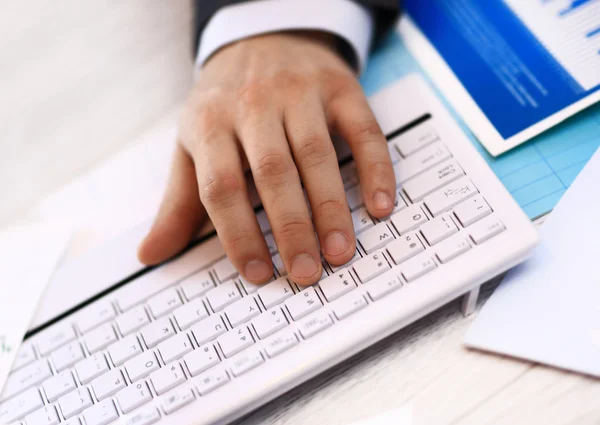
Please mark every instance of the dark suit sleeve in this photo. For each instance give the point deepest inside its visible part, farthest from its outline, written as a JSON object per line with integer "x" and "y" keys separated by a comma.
{"x": 385, "y": 12}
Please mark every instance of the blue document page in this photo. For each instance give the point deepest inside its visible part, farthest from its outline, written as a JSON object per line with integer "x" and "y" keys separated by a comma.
{"x": 536, "y": 173}
{"x": 521, "y": 61}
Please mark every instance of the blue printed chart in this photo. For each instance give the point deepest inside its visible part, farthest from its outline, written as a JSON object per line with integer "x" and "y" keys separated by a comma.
{"x": 536, "y": 173}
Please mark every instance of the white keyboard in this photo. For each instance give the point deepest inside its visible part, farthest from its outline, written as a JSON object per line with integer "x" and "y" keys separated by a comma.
{"x": 192, "y": 342}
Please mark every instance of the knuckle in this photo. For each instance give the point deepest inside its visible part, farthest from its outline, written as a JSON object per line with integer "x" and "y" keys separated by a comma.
{"x": 236, "y": 240}
{"x": 292, "y": 226}
{"x": 272, "y": 167}
{"x": 313, "y": 150}
{"x": 381, "y": 169}
{"x": 367, "y": 132}
{"x": 220, "y": 188}
{"x": 332, "y": 207}
{"x": 253, "y": 94}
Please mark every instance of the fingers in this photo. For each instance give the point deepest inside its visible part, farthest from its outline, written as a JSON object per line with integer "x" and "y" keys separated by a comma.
{"x": 180, "y": 215}
{"x": 278, "y": 184}
{"x": 354, "y": 120}
{"x": 314, "y": 154}
{"x": 222, "y": 188}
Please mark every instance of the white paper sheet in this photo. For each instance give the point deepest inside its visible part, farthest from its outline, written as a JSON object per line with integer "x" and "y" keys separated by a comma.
{"x": 547, "y": 310}
{"x": 29, "y": 254}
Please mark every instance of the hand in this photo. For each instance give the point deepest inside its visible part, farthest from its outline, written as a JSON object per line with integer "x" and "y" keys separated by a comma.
{"x": 272, "y": 101}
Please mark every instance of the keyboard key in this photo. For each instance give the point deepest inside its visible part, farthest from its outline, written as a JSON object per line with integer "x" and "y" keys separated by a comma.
{"x": 123, "y": 350}
{"x": 132, "y": 320}
{"x": 246, "y": 361}
{"x": 208, "y": 329}
{"x": 223, "y": 295}
{"x": 95, "y": 315}
{"x": 59, "y": 385}
{"x": 175, "y": 348}
{"x": 335, "y": 269}
{"x": 275, "y": 292}
{"x": 75, "y": 402}
{"x": 270, "y": 240}
{"x": 144, "y": 416}
{"x": 242, "y": 311}
{"x": 417, "y": 266}
{"x": 224, "y": 270}
{"x": 269, "y": 322}
{"x": 108, "y": 384}
{"x": 361, "y": 220}
{"x": 314, "y": 324}
{"x": 235, "y": 341}
{"x": 190, "y": 313}
{"x": 399, "y": 203}
{"x": 417, "y": 138}
{"x": 354, "y": 198}
{"x": 74, "y": 421}
{"x": 201, "y": 359}
{"x": 45, "y": 416}
{"x": 349, "y": 175}
{"x": 394, "y": 154}
{"x": 66, "y": 356}
{"x": 348, "y": 305}
{"x": 177, "y": 399}
{"x": 250, "y": 288}
{"x": 211, "y": 380}
{"x": 449, "y": 196}
{"x": 141, "y": 366}
{"x": 375, "y": 238}
{"x": 263, "y": 221}
{"x": 102, "y": 413}
{"x": 337, "y": 284}
{"x": 486, "y": 229}
{"x": 157, "y": 332}
{"x": 280, "y": 342}
{"x": 406, "y": 246}
{"x": 303, "y": 303}
{"x": 370, "y": 266}
{"x": 167, "y": 378}
{"x": 100, "y": 338}
{"x": 384, "y": 284}
{"x": 408, "y": 219}
{"x": 91, "y": 368}
{"x": 438, "y": 229}
{"x": 164, "y": 303}
{"x": 279, "y": 266}
{"x": 27, "y": 377}
{"x": 25, "y": 355}
{"x": 20, "y": 406}
{"x": 197, "y": 284}
{"x": 472, "y": 210}
{"x": 133, "y": 397}
{"x": 421, "y": 161}
{"x": 452, "y": 248}
{"x": 56, "y": 336}
{"x": 432, "y": 180}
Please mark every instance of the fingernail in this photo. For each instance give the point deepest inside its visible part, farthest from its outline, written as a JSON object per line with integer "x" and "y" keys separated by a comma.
{"x": 257, "y": 271}
{"x": 382, "y": 201}
{"x": 303, "y": 265}
{"x": 336, "y": 243}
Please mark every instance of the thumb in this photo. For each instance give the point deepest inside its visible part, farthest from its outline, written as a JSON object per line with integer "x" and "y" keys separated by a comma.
{"x": 180, "y": 215}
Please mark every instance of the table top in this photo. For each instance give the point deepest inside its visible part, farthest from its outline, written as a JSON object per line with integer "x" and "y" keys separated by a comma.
{"x": 87, "y": 78}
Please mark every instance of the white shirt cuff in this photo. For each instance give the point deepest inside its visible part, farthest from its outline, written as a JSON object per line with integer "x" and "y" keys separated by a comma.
{"x": 344, "y": 18}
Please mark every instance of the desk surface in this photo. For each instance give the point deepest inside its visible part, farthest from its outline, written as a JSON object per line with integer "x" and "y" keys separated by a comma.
{"x": 86, "y": 78}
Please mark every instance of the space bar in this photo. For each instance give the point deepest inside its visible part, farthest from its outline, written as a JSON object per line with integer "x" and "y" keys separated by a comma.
{"x": 172, "y": 272}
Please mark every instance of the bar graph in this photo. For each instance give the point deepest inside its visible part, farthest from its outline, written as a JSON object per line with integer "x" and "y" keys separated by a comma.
{"x": 569, "y": 30}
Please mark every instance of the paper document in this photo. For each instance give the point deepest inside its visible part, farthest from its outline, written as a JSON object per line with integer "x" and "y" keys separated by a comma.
{"x": 537, "y": 173}
{"x": 29, "y": 256}
{"x": 511, "y": 68}
{"x": 546, "y": 310}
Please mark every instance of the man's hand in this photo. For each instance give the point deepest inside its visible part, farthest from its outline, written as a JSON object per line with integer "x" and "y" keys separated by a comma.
{"x": 271, "y": 102}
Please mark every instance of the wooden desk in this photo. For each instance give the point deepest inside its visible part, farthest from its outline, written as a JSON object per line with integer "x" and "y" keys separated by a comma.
{"x": 81, "y": 79}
